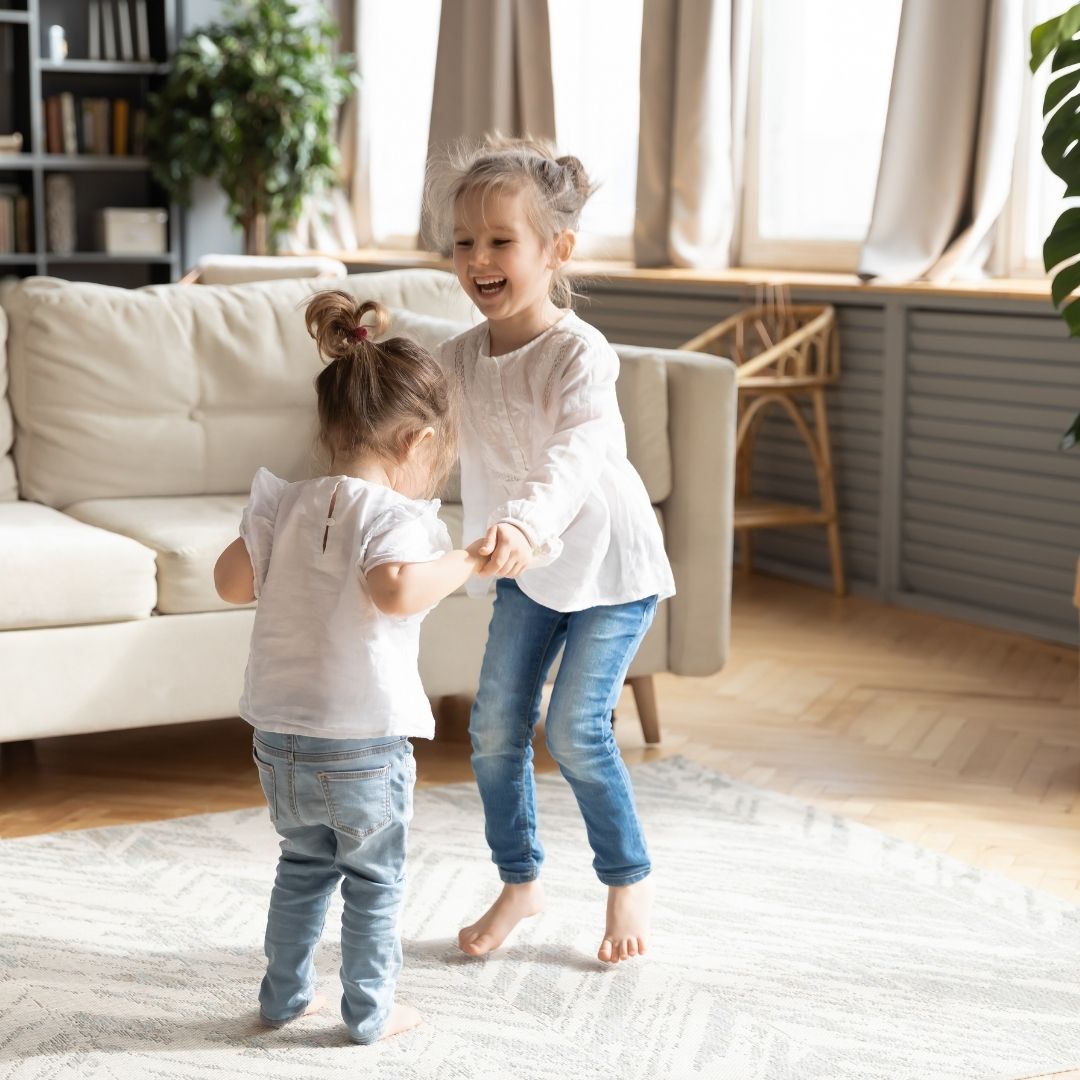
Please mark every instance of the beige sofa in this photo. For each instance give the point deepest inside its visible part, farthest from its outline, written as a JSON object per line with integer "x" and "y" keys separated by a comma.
{"x": 138, "y": 418}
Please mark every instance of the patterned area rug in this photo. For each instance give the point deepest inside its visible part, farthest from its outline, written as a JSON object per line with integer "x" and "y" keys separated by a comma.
{"x": 790, "y": 945}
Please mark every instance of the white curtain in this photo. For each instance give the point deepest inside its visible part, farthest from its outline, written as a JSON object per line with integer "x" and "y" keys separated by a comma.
{"x": 694, "y": 76}
{"x": 950, "y": 138}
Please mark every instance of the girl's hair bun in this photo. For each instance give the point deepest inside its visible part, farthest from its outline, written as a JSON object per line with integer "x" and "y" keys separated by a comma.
{"x": 333, "y": 317}
{"x": 579, "y": 178}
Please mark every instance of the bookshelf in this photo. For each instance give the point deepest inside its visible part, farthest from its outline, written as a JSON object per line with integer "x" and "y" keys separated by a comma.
{"x": 84, "y": 88}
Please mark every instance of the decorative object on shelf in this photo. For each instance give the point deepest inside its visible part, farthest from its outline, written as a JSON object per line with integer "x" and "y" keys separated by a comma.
{"x": 11, "y": 143}
{"x": 60, "y": 213}
{"x": 133, "y": 231}
{"x": 269, "y": 149}
{"x": 786, "y": 355}
{"x": 1061, "y": 36}
{"x": 58, "y": 46}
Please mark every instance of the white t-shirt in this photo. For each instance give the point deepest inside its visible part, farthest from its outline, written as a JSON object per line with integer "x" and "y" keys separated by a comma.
{"x": 543, "y": 446}
{"x": 324, "y": 660}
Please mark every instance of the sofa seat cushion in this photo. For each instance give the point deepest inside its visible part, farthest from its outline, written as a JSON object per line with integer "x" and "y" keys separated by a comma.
{"x": 56, "y": 571}
{"x": 186, "y": 534}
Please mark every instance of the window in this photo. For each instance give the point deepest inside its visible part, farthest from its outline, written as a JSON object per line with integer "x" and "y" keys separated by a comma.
{"x": 819, "y": 95}
{"x": 595, "y": 61}
{"x": 1037, "y": 196}
{"x": 397, "y": 58}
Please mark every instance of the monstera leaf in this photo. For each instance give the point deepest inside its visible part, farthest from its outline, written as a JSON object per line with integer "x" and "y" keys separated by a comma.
{"x": 1061, "y": 152}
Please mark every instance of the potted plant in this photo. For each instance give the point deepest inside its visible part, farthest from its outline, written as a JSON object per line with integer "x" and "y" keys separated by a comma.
{"x": 252, "y": 103}
{"x": 1061, "y": 152}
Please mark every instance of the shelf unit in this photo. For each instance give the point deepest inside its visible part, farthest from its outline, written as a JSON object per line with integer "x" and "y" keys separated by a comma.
{"x": 27, "y": 77}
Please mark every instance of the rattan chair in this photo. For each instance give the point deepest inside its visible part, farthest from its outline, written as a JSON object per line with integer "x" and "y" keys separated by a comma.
{"x": 786, "y": 357}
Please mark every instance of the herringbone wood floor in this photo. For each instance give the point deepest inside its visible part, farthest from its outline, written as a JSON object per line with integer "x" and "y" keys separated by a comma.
{"x": 963, "y": 739}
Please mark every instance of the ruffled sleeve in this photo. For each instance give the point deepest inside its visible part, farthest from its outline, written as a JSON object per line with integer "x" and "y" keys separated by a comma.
{"x": 257, "y": 522}
{"x": 408, "y": 533}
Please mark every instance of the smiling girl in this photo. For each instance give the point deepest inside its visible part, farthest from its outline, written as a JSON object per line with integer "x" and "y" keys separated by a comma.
{"x": 569, "y": 530}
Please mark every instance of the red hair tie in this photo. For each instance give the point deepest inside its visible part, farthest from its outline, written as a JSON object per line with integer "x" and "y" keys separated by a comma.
{"x": 360, "y": 333}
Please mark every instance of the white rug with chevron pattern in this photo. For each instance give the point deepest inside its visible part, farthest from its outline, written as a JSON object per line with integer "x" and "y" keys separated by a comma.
{"x": 790, "y": 945}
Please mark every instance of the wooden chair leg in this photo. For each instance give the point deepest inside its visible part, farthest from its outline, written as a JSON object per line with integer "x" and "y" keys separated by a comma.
{"x": 645, "y": 700}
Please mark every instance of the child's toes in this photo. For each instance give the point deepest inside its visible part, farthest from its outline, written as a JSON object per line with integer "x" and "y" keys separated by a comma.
{"x": 606, "y": 953}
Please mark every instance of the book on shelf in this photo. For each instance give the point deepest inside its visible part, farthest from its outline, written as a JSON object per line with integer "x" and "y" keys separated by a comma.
{"x": 54, "y": 126}
{"x": 14, "y": 221}
{"x": 121, "y": 113}
{"x": 11, "y": 143}
{"x": 70, "y": 141}
{"x": 142, "y": 30}
{"x": 127, "y": 44}
{"x": 94, "y": 27}
{"x": 102, "y": 110}
{"x": 138, "y": 132}
{"x": 108, "y": 28}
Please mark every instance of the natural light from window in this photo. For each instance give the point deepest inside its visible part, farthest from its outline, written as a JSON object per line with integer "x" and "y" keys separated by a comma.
{"x": 398, "y": 62}
{"x": 595, "y": 60}
{"x": 824, "y": 77}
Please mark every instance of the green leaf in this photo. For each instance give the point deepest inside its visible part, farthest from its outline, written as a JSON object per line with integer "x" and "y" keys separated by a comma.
{"x": 1072, "y": 436}
{"x": 1063, "y": 243}
{"x": 1065, "y": 282}
{"x": 1047, "y": 36}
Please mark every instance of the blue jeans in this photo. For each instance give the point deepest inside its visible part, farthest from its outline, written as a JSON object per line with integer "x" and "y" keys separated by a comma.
{"x": 523, "y": 640}
{"x": 342, "y": 808}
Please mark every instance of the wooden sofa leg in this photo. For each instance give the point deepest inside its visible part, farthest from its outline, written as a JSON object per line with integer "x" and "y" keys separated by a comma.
{"x": 645, "y": 699}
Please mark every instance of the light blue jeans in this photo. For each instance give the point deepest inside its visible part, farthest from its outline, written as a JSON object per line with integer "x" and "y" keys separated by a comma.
{"x": 342, "y": 808}
{"x": 523, "y": 641}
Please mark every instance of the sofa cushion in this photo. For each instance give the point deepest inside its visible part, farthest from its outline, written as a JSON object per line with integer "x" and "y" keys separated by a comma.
{"x": 186, "y": 534}
{"x": 56, "y": 571}
{"x": 175, "y": 390}
{"x": 8, "y": 489}
{"x": 643, "y": 402}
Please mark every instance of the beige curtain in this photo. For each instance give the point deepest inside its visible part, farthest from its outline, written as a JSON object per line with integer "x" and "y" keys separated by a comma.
{"x": 340, "y": 219}
{"x": 492, "y": 73}
{"x": 694, "y": 76}
{"x": 950, "y": 138}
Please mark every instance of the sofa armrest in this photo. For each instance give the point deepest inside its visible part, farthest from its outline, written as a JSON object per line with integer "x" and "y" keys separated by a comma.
{"x": 698, "y": 514}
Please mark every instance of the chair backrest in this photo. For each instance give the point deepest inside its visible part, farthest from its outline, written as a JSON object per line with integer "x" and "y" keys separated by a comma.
{"x": 794, "y": 344}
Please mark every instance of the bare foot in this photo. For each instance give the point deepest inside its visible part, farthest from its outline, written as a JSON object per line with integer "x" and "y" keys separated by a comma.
{"x": 514, "y": 903}
{"x": 628, "y": 908}
{"x": 401, "y": 1018}
{"x": 316, "y": 1003}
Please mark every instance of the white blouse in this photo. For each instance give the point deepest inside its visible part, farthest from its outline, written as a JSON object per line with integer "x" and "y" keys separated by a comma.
{"x": 543, "y": 446}
{"x": 324, "y": 660}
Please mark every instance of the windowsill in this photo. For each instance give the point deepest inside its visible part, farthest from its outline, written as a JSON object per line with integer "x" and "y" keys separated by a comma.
{"x": 990, "y": 288}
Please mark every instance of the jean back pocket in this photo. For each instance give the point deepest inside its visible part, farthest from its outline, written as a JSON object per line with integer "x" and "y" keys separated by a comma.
{"x": 358, "y": 802}
{"x": 269, "y": 786}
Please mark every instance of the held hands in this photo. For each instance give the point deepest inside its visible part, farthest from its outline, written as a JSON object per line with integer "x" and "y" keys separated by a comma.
{"x": 504, "y": 552}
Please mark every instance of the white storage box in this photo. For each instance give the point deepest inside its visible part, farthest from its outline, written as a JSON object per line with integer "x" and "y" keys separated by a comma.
{"x": 135, "y": 231}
